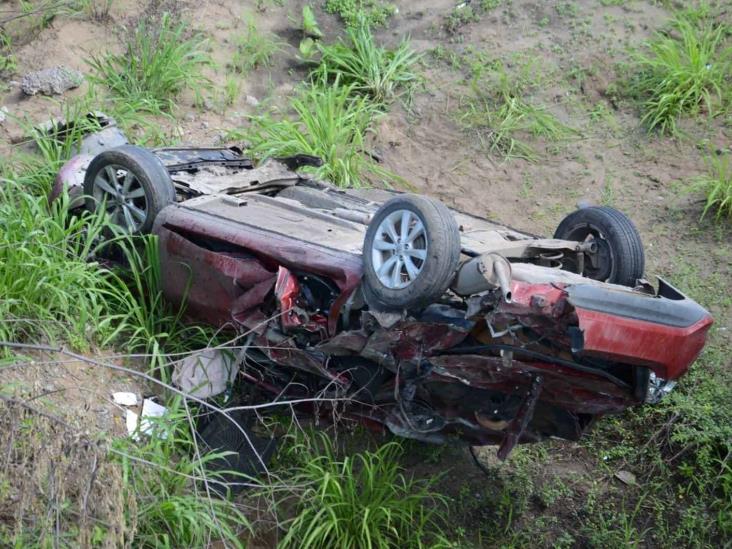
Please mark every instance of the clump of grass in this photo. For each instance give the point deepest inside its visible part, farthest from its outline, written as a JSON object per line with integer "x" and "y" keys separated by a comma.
{"x": 683, "y": 73}
{"x": 373, "y": 70}
{"x": 158, "y": 64}
{"x": 716, "y": 185}
{"x": 310, "y": 24}
{"x": 331, "y": 122}
{"x": 254, "y": 49}
{"x": 359, "y": 501}
{"x": 8, "y": 62}
{"x": 502, "y": 116}
{"x": 373, "y": 12}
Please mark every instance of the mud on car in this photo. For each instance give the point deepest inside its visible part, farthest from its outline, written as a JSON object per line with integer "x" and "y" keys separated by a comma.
{"x": 430, "y": 321}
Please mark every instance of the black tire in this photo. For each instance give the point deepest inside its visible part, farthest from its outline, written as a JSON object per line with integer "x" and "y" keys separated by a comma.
{"x": 153, "y": 189}
{"x": 441, "y": 255}
{"x": 620, "y": 256}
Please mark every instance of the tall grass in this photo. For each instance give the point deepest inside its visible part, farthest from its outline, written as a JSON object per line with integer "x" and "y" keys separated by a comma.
{"x": 371, "y": 69}
{"x": 359, "y": 501}
{"x": 329, "y": 121}
{"x": 159, "y": 62}
{"x": 685, "y": 72}
{"x": 48, "y": 289}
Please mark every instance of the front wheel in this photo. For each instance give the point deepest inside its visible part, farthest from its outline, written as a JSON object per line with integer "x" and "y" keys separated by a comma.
{"x": 131, "y": 185}
{"x": 619, "y": 258}
{"x": 411, "y": 252}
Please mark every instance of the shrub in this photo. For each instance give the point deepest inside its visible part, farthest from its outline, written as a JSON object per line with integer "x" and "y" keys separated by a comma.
{"x": 157, "y": 65}
{"x": 370, "y": 69}
{"x": 684, "y": 74}
{"x": 358, "y": 501}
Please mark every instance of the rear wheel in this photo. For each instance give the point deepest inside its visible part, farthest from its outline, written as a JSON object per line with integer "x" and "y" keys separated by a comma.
{"x": 619, "y": 258}
{"x": 411, "y": 252}
{"x": 131, "y": 185}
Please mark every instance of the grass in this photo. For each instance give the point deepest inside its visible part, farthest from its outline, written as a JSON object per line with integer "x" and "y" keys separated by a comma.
{"x": 254, "y": 49}
{"x": 370, "y": 69}
{"x": 172, "y": 510}
{"x": 329, "y": 121}
{"x": 358, "y": 501}
{"x": 160, "y": 61}
{"x": 716, "y": 185}
{"x": 502, "y": 117}
{"x": 684, "y": 73}
{"x": 373, "y": 12}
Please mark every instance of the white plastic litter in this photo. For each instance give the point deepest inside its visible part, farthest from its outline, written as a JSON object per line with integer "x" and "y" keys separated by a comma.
{"x": 150, "y": 409}
{"x": 125, "y": 399}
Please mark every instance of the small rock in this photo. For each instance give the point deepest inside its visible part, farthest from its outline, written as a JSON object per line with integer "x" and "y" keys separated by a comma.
{"x": 53, "y": 81}
{"x": 252, "y": 101}
{"x": 3, "y": 114}
{"x": 204, "y": 125}
{"x": 626, "y": 477}
{"x": 190, "y": 117}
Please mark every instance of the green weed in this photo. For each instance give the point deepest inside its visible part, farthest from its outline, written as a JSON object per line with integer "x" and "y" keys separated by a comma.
{"x": 157, "y": 65}
{"x": 716, "y": 185}
{"x": 254, "y": 49}
{"x": 370, "y": 69}
{"x": 310, "y": 24}
{"x": 501, "y": 116}
{"x": 362, "y": 500}
{"x": 330, "y": 122}
{"x": 373, "y": 12}
{"x": 684, "y": 73}
{"x": 8, "y": 62}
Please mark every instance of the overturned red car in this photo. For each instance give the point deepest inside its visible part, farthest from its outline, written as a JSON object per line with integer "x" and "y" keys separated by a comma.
{"x": 429, "y": 321}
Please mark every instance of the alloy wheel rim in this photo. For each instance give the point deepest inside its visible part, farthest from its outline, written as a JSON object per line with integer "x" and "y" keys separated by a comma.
{"x": 399, "y": 250}
{"x": 122, "y": 195}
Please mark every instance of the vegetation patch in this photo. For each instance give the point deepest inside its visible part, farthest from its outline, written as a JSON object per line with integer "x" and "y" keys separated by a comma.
{"x": 502, "y": 117}
{"x": 354, "y": 12}
{"x": 157, "y": 65}
{"x": 685, "y": 72}
{"x": 378, "y": 72}
{"x": 331, "y": 122}
{"x": 361, "y": 500}
{"x": 716, "y": 185}
{"x": 254, "y": 49}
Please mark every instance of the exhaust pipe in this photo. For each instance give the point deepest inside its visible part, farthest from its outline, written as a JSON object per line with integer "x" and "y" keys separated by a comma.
{"x": 483, "y": 273}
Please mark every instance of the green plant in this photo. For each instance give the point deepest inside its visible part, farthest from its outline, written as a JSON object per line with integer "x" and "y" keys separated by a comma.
{"x": 373, "y": 12}
{"x": 330, "y": 122}
{"x": 310, "y": 24}
{"x": 358, "y": 501}
{"x": 159, "y": 62}
{"x": 459, "y": 17}
{"x": 178, "y": 497}
{"x": 683, "y": 73}
{"x": 716, "y": 185}
{"x": 501, "y": 115}
{"x": 367, "y": 67}
{"x": 8, "y": 63}
{"x": 254, "y": 49}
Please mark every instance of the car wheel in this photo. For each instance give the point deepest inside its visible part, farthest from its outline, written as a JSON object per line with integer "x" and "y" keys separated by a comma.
{"x": 411, "y": 252}
{"x": 619, "y": 258}
{"x": 131, "y": 184}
